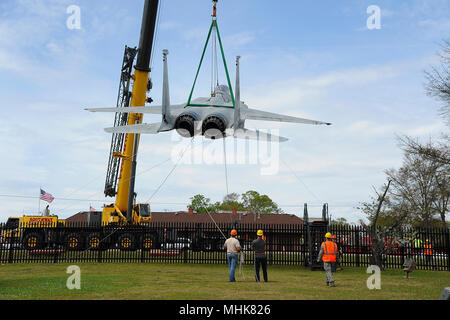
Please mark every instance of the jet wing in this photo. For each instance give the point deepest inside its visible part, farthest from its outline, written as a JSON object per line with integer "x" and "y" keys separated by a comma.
{"x": 253, "y": 114}
{"x": 145, "y": 128}
{"x": 152, "y": 110}
{"x": 257, "y": 135}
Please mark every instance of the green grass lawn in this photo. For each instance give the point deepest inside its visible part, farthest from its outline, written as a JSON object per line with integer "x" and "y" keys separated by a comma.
{"x": 188, "y": 281}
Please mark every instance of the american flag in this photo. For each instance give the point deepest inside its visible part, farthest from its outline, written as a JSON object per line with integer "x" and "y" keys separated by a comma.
{"x": 46, "y": 196}
{"x": 91, "y": 209}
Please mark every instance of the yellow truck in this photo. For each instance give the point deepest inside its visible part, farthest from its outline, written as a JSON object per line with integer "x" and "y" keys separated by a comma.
{"x": 31, "y": 232}
{"x": 41, "y": 232}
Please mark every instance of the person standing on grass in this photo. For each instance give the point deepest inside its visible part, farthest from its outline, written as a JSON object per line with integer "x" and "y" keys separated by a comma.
{"x": 259, "y": 246}
{"x": 418, "y": 246}
{"x": 328, "y": 253}
{"x": 428, "y": 252}
{"x": 339, "y": 249}
{"x": 233, "y": 247}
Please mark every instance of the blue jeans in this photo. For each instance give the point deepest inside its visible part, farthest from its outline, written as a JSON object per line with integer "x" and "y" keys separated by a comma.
{"x": 232, "y": 263}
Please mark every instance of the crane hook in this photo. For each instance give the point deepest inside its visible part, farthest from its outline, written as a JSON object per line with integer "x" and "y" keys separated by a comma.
{"x": 214, "y": 8}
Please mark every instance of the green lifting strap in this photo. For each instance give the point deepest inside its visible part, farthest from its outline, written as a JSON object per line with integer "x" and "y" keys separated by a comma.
{"x": 189, "y": 104}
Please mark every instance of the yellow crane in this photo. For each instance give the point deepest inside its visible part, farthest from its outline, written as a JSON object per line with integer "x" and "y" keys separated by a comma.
{"x": 36, "y": 232}
{"x": 124, "y": 147}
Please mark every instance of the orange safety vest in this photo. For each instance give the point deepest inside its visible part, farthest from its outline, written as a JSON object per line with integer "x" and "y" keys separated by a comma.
{"x": 428, "y": 251}
{"x": 329, "y": 251}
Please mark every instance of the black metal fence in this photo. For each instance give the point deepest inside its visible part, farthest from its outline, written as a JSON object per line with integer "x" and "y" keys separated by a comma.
{"x": 203, "y": 243}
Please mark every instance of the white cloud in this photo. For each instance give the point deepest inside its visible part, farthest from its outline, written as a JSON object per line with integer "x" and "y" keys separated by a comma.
{"x": 386, "y": 13}
{"x": 170, "y": 25}
{"x": 425, "y": 130}
{"x": 239, "y": 39}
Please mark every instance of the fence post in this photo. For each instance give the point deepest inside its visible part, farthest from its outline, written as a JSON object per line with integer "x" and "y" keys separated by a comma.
{"x": 185, "y": 246}
{"x": 55, "y": 236}
{"x": 306, "y": 246}
{"x": 402, "y": 249}
{"x": 101, "y": 227}
{"x": 11, "y": 249}
{"x": 2, "y": 243}
{"x": 100, "y": 255}
{"x": 358, "y": 247}
{"x": 447, "y": 242}
{"x": 141, "y": 238}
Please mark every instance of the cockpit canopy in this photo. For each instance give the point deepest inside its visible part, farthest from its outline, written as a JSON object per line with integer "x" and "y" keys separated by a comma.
{"x": 222, "y": 91}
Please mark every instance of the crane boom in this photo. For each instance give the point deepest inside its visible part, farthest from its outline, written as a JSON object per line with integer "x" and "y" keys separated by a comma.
{"x": 121, "y": 119}
{"x": 123, "y": 206}
{"x": 125, "y": 191}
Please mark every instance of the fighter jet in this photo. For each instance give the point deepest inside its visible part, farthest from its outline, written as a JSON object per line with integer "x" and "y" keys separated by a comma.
{"x": 218, "y": 116}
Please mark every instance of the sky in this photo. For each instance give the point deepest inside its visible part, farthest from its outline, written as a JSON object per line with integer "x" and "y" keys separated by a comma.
{"x": 312, "y": 59}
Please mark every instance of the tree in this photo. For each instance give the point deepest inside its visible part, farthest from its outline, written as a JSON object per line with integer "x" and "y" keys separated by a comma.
{"x": 254, "y": 202}
{"x": 413, "y": 187}
{"x": 231, "y": 202}
{"x": 390, "y": 215}
{"x": 438, "y": 151}
{"x": 441, "y": 201}
{"x": 340, "y": 222}
{"x": 432, "y": 176}
{"x": 251, "y": 201}
{"x": 438, "y": 77}
{"x": 378, "y": 233}
{"x": 201, "y": 204}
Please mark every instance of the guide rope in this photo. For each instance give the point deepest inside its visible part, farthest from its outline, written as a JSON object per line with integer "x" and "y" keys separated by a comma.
{"x": 171, "y": 171}
{"x": 225, "y": 165}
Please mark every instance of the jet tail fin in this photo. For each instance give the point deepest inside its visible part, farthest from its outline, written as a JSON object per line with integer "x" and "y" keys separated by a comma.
{"x": 165, "y": 123}
{"x": 237, "y": 100}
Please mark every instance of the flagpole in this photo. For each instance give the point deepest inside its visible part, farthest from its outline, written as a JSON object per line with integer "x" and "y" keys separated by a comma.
{"x": 39, "y": 207}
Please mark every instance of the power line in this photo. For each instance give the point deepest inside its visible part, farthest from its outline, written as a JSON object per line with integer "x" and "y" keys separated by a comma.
{"x": 292, "y": 205}
{"x": 300, "y": 180}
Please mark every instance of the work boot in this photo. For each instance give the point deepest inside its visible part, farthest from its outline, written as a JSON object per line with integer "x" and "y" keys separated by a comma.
{"x": 327, "y": 284}
{"x": 332, "y": 284}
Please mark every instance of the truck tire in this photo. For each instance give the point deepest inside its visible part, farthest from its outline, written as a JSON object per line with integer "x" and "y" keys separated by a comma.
{"x": 94, "y": 241}
{"x": 33, "y": 241}
{"x": 126, "y": 242}
{"x": 148, "y": 242}
{"x": 73, "y": 242}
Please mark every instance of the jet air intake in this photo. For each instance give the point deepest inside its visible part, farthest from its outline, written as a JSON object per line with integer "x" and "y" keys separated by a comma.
{"x": 213, "y": 127}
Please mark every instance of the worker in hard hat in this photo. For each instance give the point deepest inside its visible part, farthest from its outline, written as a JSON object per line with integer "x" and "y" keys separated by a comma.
{"x": 259, "y": 246}
{"x": 233, "y": 247}
{"x": 428, "y": 252}
{"x": 418, "y": 246}
{"x": 328, "y": 253}
{"x": 339, "y": 249}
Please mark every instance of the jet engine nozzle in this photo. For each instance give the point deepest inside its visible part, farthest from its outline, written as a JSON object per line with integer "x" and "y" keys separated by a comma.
{"x": 213, "y": 127}
{"x": 185, "y": 125}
